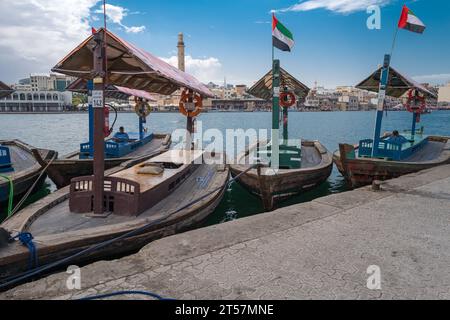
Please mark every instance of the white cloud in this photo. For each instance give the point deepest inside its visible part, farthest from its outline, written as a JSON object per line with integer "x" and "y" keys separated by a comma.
{"x": 339, "y": 6}
{"x": 205, "y": 70}
{"x": 116, "y": 14}
{"x": 36, "y": 34}
{"x": 441, "y": 78}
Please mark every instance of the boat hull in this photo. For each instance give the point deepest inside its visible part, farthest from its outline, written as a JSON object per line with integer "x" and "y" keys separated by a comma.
{"x": 24, "y": 179}
{"x": 62, "y": 171}
{"x": 360, "y": 172}
{"x": 275, "y": 188}
{"x": 14, "y": 258}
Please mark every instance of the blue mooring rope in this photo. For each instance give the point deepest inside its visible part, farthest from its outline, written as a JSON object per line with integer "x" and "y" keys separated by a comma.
{"x": 38, "y": 270}
{"x": 27, "y": 240}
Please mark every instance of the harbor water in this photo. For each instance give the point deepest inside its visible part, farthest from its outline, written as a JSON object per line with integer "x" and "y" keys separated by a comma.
{"x": 65, "y": 132}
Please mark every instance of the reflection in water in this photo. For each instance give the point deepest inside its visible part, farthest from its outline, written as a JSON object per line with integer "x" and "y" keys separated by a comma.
{"x": 65, "y": 132}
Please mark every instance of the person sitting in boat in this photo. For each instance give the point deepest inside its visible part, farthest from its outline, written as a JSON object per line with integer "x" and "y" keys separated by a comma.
{"x": 121, "y": 136}
{"x": 397, "y": 138}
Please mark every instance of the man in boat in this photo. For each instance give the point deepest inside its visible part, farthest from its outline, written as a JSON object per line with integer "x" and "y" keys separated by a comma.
{"x": 397, "y": 138}
{"x": 121, "y": 136}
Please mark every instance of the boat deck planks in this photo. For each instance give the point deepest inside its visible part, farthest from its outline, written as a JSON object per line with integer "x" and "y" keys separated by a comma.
{"x": 59, "y": 219}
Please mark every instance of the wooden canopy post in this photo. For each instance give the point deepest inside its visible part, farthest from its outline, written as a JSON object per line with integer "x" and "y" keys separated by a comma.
{"x": 90, "y": 88}
{"x": 190, "y": 122}
{"x": 381, "y": 97}
{"x": 98, "y": 102}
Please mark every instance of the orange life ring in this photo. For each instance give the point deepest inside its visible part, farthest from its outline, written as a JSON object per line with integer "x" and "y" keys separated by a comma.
{"x": 198, "y": 101}
{"x": 287, "y": 99}
{"x": 413, "y": 96}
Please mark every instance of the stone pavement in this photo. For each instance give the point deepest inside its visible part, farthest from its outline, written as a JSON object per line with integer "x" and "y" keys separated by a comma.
{"x": 316, "y": 250}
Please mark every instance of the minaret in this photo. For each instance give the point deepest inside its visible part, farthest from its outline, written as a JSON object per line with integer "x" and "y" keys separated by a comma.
{"x": 181, "y": 57}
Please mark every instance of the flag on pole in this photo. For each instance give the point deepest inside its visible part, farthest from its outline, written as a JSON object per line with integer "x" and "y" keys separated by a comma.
{"x": 281, "y": 36}
{"x": 410, "y": 21}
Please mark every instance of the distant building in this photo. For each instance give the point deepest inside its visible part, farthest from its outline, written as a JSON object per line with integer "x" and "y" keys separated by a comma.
{"x": 36, "y": 101}
{"x": 50, "y": 82}
{"x": 444, "y": 95}
{"x": 240, "y": 90}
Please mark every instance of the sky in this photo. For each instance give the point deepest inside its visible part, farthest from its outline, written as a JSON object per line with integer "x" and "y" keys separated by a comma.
{"x": 232, "y": 38}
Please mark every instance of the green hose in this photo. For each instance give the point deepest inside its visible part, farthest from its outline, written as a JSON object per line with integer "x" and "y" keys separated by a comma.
{"x": 11, "y": 195}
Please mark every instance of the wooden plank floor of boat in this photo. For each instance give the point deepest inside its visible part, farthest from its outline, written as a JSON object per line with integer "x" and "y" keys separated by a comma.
{"x": 59, "y": 219}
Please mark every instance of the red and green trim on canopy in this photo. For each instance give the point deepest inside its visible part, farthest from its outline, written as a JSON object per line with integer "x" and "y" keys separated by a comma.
{"x": 409, "y": 21}
{"x": 281, "y": 36}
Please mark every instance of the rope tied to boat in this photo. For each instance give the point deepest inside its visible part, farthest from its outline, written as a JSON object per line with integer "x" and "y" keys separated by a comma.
{"x": 39, "y": 270}
{"x": 30, "y": 190}
{"x": 26, "y": 239}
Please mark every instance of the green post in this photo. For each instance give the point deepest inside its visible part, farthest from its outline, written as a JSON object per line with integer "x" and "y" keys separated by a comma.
{"x": 276, "y": 115}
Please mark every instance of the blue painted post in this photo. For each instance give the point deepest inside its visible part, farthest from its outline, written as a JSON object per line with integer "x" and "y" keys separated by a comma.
{"x": 381, "y": 98}
{"x": 90, "y": 87}
{"x": 413, "y": 129}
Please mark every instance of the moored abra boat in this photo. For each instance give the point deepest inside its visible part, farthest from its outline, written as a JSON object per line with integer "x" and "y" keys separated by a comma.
{"x": 393, "y": 155}
{"x": 20, "y": 169}
{"x": 291, "y": 166}
{"x": 140, "y": 146}
{"x": 148, "y": 193}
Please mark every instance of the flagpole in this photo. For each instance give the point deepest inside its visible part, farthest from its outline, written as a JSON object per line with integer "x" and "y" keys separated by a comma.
{"x": 384, "y": 83}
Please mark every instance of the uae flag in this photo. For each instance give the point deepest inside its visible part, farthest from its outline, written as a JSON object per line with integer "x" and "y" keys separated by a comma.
{"x": 282, "y": 37}
{"x": 409, "y": 21}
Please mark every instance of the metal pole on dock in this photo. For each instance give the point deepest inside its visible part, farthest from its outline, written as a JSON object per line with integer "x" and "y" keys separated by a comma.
{"x": 98, "y": 101}
{"x": 381, "y": 98}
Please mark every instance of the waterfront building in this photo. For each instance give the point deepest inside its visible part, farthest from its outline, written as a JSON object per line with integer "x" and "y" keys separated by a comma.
{"x": 241, "y": 105}
{"x": 444, "y": 95}
{"x": 50, "y": 82}
{"x": 241, "y": 89}
{"x": 36, "y": 101}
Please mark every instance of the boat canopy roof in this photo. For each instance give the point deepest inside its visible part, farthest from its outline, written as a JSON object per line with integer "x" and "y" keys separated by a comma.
{"x": 115, "y": 92}
{"x": 129, "y": 66}
{"x": 399, "y": 84}
{"x": 5, "y": 90}
{"x": 263, "y": 88}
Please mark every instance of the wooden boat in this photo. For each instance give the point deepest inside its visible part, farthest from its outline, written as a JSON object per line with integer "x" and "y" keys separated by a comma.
{"x": 18, "y": 163}
{"x": 167, "y": 194}
{"x": 391, "y": 156}
{"x": 142, "y": 146}
{"x": 62, "y": 224}
{"x": 302, "y": 165}
{"x": 70, "y": 166}
{"x": 273, "y": 187}
{"x": 360, "y": 171}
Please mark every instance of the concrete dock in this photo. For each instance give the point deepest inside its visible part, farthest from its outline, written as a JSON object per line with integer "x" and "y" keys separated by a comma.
{"x": 318, "y": 250}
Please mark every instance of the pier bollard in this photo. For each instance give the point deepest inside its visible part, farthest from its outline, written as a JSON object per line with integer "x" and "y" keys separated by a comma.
{"x": 376, "y": 185}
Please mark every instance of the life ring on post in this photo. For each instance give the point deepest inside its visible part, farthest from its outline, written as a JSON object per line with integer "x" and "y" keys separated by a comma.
{"x": 142, "y": 108}
{"x": 416, "y": 102}
{"x": 196, "y": 99}
{"x": 287, "y": 99}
